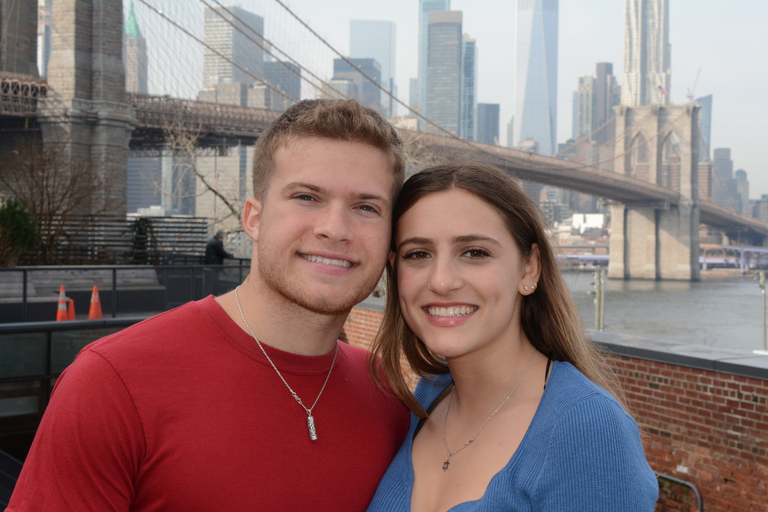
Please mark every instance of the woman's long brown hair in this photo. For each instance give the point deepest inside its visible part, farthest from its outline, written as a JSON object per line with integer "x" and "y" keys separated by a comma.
{"x": 549, "y": 318}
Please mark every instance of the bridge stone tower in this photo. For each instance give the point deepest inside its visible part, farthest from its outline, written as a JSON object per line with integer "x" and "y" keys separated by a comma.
{"x": 85, "y": 110}
{"x": 657, "y": 240}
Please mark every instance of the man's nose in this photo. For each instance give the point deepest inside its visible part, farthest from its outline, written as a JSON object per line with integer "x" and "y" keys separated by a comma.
{"x": 333, "y": 223}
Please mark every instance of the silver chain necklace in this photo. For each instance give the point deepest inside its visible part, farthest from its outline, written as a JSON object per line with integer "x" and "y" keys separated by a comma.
{"x": 447, "y": 463}
{"x": 310, "y": 418}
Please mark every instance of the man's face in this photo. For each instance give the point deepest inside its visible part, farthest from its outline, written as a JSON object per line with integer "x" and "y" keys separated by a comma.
{"x": 322, "y": 230}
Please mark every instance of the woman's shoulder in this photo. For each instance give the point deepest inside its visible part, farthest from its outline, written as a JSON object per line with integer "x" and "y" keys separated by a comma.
{"x": 573, "y": 403}
{"x": 568, "y": 387}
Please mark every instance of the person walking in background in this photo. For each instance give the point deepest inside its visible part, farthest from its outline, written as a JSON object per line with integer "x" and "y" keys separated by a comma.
{"x": 246, "y": 401}
{"x": 214, "y": 250}
{"x": 215, "y": 255}
{"x": 517, "y": 409}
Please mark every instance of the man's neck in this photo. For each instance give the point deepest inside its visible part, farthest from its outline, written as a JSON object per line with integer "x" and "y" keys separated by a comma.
{"x": 280, "y": 323}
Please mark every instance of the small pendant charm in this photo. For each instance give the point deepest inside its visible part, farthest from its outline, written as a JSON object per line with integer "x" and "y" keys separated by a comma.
{"x": 311, "y": 427}
{"x": 447, "y": 465}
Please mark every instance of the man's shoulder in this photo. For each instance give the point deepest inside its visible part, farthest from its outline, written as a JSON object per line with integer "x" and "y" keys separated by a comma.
{"x": 175, "y": 324}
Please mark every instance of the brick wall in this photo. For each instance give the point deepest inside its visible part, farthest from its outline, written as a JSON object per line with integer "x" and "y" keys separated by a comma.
{"x": 703, "y": 427}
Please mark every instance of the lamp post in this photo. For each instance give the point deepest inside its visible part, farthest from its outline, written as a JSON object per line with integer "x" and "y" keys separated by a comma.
{"x": 761, "y": 283}
{"x": 599, "y": 299}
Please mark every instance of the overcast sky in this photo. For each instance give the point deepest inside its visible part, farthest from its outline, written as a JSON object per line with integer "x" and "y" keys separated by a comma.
{"x": 728, "y": 40}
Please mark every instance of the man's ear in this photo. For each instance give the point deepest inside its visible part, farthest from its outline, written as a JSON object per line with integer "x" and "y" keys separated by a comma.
{"x": 392, "y": 258}
{"x": 252, "y": 217}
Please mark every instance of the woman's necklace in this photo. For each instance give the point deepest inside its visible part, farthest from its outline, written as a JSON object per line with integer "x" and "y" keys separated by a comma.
{"x": 447, "y": 463}
{"x": 310, "y": 418}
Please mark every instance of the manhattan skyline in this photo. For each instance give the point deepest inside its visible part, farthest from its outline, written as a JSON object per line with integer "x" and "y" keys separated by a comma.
{"x": 725, "y": 40}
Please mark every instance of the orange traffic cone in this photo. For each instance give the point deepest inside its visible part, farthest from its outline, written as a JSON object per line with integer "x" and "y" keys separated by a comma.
{"x": 71, "y": 310}
{"x": 95, "y": 312}
{"x": 61, "y": 314}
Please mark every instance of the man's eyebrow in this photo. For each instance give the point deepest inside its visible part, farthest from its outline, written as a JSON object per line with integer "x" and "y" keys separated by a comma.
{"x": 310, "y": 186}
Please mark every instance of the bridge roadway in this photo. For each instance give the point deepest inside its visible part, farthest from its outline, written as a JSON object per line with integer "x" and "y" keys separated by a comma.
{"x": 214, "y": 123}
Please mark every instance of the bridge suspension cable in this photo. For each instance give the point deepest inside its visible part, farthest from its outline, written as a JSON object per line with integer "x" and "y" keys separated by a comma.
{"x": 209, "y": 47}
{"x": 322, "y": 89}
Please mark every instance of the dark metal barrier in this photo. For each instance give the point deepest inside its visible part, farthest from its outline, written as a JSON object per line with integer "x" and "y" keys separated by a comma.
{"x": 699, "y": 501}
{"x": 32, "y": 356}
{"x": 30, "y": 294}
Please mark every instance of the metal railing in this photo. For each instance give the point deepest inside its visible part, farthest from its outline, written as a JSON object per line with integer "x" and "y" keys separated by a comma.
{"x": 29, "y": 294}
{"x": 32, "y": 356}
{"x": 699, "y": 501}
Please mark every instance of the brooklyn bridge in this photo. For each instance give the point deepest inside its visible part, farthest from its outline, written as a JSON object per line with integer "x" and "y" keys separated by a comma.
{"x": 658, "y": 192}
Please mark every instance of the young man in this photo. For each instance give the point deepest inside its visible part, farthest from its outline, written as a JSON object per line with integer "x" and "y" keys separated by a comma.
{"x": 246, "y": 401}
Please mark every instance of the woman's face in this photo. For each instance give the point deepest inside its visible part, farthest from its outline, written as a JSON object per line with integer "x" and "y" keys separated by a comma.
{"x": 460, "y": 275}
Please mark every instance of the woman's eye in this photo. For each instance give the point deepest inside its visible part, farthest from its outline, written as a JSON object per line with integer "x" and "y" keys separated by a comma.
{"x": 415, "y": 255}
{"x": 477, "y": 253}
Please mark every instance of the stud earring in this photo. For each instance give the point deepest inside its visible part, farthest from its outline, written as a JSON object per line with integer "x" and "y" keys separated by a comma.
{"x": 527, "y": 287}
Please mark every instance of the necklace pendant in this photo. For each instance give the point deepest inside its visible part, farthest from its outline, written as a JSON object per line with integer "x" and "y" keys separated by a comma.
{"x": 311, "y": 427}
{"x": 447, "y": 464}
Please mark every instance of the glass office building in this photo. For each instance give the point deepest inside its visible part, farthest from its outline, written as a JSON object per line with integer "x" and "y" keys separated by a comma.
{"x": 536, "y": 73}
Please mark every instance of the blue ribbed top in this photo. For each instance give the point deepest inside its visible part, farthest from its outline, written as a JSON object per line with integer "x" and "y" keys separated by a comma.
{"x": 582, "y": 452}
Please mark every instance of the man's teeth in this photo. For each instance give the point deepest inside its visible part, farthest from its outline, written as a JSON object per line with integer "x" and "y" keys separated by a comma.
{"x": 451, "y": 311}
{"x": 326, "y": 261}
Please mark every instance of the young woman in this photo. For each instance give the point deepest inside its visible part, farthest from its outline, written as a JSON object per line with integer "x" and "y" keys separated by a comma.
{"x": 516, "y": 409}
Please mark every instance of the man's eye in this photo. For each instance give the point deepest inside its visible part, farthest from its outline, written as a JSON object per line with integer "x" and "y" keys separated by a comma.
{"x": 368, "y": 208}
{"x": 304, "y": 197}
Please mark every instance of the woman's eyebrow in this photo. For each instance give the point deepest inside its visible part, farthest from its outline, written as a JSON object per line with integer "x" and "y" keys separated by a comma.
{"x": 476, "y": 238}
{"x": 414, "y": 241}
{"x": 463, "y": 239}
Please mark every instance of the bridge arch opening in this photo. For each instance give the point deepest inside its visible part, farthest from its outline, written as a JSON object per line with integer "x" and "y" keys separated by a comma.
{"x": 638, "y": 158}
{"x": 669, "y": 174}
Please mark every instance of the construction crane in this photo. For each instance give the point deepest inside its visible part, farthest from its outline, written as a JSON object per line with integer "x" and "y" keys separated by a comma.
{"x": 691, "y": 90}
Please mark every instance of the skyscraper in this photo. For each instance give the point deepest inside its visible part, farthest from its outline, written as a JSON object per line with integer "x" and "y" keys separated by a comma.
{"x": 285, "y": 76}
{"x": 468, "y": 122}
{"x": 134, "y": 56}
{"x": 705, "y": 118}
{"x": 425, "y": 7}
{"x": 376, "y": 40}
{"x": 724, "y": 185}
{"x": 18, "y": 37}
{"x": 367, "y": 92}
{"x": 742, "y": 192}
{"x": 646, "y": 75}
{"x": 586, "y": 107}
{"x": 44, "y": 35}
{"x": 488, "y": 123}
{"x": 244, "y": 58}
{"x": 607, "y": 93}
{"x": 536, "y": 73}
{"x": 444, "y": 72}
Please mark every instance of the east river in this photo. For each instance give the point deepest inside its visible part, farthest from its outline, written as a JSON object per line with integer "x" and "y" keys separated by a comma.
{"x": 718, "y": 311}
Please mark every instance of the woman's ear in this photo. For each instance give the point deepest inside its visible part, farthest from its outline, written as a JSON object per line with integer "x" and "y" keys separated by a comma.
{"x": 251, "y": 218}
{"x": 531, "y": 271}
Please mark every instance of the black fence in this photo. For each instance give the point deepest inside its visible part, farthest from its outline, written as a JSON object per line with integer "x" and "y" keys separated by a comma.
{"x": 89, "y": 240}
{"x": 31, "y": 294}
{"x": 32, "y": 356}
